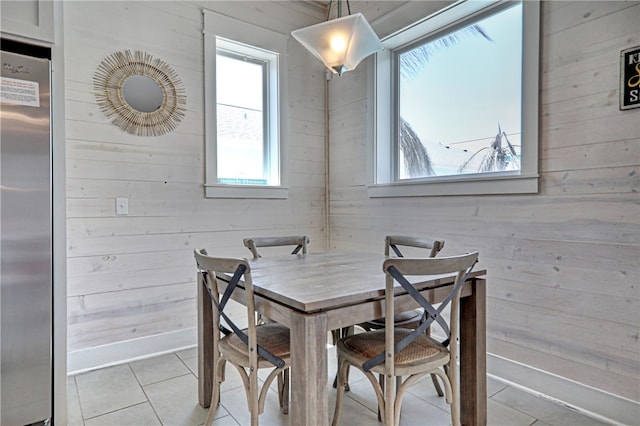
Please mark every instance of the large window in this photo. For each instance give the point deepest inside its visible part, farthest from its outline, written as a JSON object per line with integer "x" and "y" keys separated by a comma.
{"x": 243, "y": 92}
{"x": 457, "y": 103}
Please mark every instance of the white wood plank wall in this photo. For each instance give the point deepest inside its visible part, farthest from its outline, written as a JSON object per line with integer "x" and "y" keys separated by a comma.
{"x": 133, "y": 276}
{"x": 563, "y": 264}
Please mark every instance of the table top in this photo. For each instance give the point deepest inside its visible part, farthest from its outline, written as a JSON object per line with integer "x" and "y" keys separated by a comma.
{"x": 320, "y": 281}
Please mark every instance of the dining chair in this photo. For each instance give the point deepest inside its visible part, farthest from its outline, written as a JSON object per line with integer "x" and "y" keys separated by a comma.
{"x": 253, "y": 243}
{"x": 398, "y": 352}
{"x": 250, "y": 349}
{"x": 409, "y": 319}
{"x": 300, "y": 245}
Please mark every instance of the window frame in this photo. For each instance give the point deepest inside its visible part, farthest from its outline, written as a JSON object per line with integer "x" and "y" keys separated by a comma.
{"x": 235, "y": 51}
{"x": 246, "y": 39}
{"x": 384, "y": 176}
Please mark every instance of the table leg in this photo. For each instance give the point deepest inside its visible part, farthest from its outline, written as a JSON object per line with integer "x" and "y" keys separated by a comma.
{"x": 473, "y": 356}
{"x": 205, "y": 346}
{"x": 309, "y": 396}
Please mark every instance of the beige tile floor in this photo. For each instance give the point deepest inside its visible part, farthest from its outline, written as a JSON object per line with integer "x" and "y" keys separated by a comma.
{"x": 163, "y": 391}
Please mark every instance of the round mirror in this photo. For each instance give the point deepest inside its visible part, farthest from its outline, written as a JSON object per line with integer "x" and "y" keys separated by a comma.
{"x": 142, "y": 93}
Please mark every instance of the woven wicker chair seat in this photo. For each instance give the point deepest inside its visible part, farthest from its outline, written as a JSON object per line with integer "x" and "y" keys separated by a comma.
{"x": 273, "y": 337}
{"x": 409, "y": 319}
{"x": 370, "y": 344}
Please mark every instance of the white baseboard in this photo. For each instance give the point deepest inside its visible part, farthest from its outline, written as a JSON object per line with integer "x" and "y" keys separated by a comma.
{"x": 121, "y": 352}
{"x": 592, "y": 402}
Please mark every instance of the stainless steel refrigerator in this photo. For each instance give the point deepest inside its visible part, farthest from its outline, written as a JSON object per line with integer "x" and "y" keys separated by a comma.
{"x": 26, "y": 241}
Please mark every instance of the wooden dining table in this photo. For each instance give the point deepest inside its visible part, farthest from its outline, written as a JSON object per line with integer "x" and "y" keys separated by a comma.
{"x": 314, "y": 293}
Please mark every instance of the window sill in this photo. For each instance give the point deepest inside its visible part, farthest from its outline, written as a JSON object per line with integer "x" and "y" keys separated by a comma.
{"x": 246, "y": 191}
{"x": 457, "y": 186}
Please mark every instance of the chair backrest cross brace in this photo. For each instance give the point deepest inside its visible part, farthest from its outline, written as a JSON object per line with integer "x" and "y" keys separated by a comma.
{"x": 432, "y": 312}
{"x": 300, "y": 243}
{"x": 393, "y": 241}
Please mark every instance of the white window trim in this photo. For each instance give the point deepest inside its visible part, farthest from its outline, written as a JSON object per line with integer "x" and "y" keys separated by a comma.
{"x": 525, "y": 181}
{"x": 216, "y": 25}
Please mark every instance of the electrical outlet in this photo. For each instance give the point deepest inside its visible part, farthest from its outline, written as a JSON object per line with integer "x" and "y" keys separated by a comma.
{"x": 122, "y": 206}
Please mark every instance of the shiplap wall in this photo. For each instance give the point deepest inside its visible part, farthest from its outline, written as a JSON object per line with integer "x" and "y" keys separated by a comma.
{"x": 132, "y": 277}
{"x": 563, "y": 265}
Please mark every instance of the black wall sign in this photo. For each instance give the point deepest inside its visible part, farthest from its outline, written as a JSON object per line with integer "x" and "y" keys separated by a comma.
{"x": 630, "y": 78}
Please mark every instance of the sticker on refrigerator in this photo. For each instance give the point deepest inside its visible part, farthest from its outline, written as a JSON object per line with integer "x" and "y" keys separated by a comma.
{"x": 19, "y": 92}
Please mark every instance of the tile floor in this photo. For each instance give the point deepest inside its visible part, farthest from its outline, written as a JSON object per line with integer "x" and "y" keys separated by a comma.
{"x": 163, "y": 391}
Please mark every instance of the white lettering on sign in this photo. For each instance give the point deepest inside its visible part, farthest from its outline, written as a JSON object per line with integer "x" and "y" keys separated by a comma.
{"x": 19, "y": 92}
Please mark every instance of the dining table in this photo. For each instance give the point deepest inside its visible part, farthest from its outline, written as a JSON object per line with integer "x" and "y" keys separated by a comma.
{"x": 315, "y": 293}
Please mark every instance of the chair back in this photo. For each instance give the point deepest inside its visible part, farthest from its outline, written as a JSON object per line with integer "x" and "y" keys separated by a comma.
{"x": 220, "y": 278}
{"x": 393, "y": 241}
{"x": 399, "y": 270}
{"x": 300, "y": 243}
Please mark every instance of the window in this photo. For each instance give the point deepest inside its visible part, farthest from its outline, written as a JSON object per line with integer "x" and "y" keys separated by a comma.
{"x": 244, "y": 88}
{"x": 456, "y": 103}
{"x": 244, "y": 144}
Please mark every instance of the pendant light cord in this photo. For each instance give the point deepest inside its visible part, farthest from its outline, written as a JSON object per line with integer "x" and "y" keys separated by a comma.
{"x": 327, "y": 192}
{"x": 339, "y": 9}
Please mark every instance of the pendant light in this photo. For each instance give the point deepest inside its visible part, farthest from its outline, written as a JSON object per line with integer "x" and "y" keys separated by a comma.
{"x": 341, "y": 43}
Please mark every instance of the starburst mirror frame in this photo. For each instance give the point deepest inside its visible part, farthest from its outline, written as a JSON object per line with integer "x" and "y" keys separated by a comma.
{"x": 108, "y": 83}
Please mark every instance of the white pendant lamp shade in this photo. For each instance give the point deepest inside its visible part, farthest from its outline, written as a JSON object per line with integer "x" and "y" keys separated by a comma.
{"x": 342, "y": 43}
